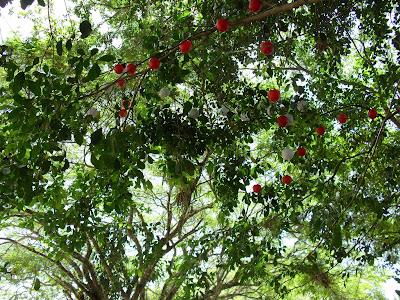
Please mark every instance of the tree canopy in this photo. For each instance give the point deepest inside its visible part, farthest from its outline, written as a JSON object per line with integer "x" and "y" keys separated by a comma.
{"x": 201, "y": 150}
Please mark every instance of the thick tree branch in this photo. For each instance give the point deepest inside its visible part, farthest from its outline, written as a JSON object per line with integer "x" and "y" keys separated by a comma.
{"x": 57, "y": 263}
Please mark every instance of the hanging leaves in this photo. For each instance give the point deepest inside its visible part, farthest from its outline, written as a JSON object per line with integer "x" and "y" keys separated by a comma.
{"x": 18, "y": 82}
{"x": 85, "y": 28}
{"x": 36, "y": 284}
{"x": 25, "y": 3}
{"x": 96, "y": 137}
{"x": 107, "y": 58}
{"x": 3, "y": 3}
{"x": 94, "y": 72}
{"x": 59, "y": 48}
{"x": 68, "y": 45}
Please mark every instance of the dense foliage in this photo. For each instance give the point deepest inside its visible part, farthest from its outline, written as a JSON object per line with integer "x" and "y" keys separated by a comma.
{"x": 126, "y": 192}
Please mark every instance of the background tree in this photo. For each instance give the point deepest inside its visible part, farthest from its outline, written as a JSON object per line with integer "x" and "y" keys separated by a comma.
{"x": 151, "y": 197}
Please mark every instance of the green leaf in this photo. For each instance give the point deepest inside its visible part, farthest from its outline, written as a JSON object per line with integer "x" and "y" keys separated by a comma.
{"x": 34, "y": 87}
{"x": 189, "y": 167}
{"x": 64, "y": 134}
{"x": 36, "y": 285}
{"x": 26, "y": 3}
{"x": 18, "y": 82}
{"x": 94, "y": 72}
{"x": 80, "y": 51}
{"x": 3, "y": 3}
{"x": 337, "y": 237}
{"x": 68, "y": 45}
{"x": 187, "y": 107}
{"x": 59, "y": 47}
{"x": 41, "y": 3}
{"x": 35, "y": 61}
{"x": 79, "y": 68}
{"x": 96, "y": 137}
{"x": 117, "y": 164}
{"x": 185, "y": 14}
{"x": 140, "y": 165}
{"x": 94, "y": 51}
{"x": 73, "y": 60}
{"x": 98, "y": 163}
{"x": 85, "y": 28}
{"x": 107, "y": 58}
{"x": 78, "y": 137}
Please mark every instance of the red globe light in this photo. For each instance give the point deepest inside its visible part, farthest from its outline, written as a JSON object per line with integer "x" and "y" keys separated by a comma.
{"x": 287, "y": 179}
{"x": 342, "y": 118}
{"x": 267, "y": 48}
{"x": 301, "y": 151}
{"x": 320, "y": 130}
{"x": 255, "y": 6}
{"x": 131, "y": 68}
{"x": 257, "y": 188}
{"x": 154, "y": 63}
{"x": 119, "y": 69}
{"x": 185, "y": 46}
{"x": 222, "y": 25}
{"x": 372, "y": 114}
{"x": 120, "y": 83}
{"x": 274, "y": 95}
{"x": 123, "y": 113}
{"x": 282, "y": 121}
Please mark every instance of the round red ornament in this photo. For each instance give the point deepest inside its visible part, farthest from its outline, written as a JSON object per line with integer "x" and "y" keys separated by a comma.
{"x": 274, "y": 95}
{"x": 154, "y": 63}
{"x": 287, "y": 179}
{"x": 342, "y": 118}
{"x": 255, "y": 6}
{"x": 257, "y": 188}
{"x": 120, "y": 83}
{"x": 131, "y": 68}
{"x": 123, "y": 113}
{"x": 321, "y": 130}
{"x": 222, "y": 25}
{"x": 282, "y": 121}
{"x": 372, "y": 114}
{"x": 301, "y": 151}
{"x": 185, "y": 46}
{"x": 119, "y": 69}
{"x": 267, "y": 48}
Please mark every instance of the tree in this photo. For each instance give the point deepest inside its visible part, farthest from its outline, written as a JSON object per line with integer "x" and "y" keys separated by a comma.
{"x": 150, "y": 198}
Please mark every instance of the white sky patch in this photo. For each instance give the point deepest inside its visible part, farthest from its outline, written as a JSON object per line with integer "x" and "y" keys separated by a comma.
{"x": 12, "y": 23}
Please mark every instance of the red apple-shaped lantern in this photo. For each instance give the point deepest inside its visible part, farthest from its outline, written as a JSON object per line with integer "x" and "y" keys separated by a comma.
{"x": 301, "y": 151}
{"x": 372, "y": 114}
{"x": 282, "y": 121}
{"x": 185, "y": 46}
{"x": 222, "y": 25}
{"x": 154, "y": 63}
{"x": 274, "y": 95}
{"x": 320, "y": 130}
{"x": 120, "y": 83}
{"x": 123, "y": 113}
{"x": 255, "y": 6}
{"x": 257, "y": 188}
{"x": 287, "y": 179}
{"x": 131, "y": 68}
{"x": 342, "y": 118}
{"x": 267, "y": 48}
{"x": 119, "y": 69}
